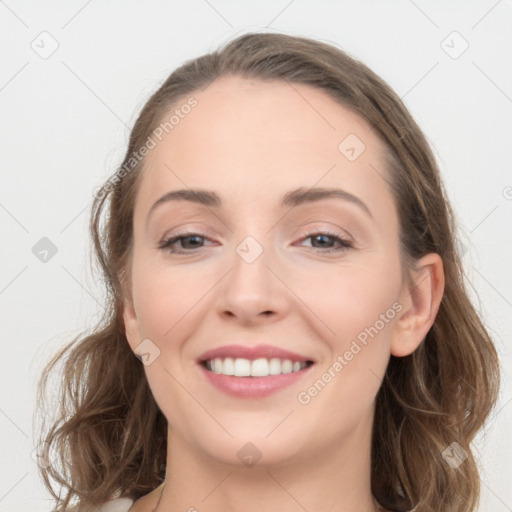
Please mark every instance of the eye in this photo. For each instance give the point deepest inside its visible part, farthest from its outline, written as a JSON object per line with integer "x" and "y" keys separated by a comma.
{"x": 188, "y": 241}
{"x": 326, "y": 241}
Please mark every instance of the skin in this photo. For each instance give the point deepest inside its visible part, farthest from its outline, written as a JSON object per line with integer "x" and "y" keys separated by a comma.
{"x": 251, "y": 142}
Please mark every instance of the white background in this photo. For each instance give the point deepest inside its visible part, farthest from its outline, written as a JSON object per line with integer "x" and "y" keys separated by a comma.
{"x": 65, "y": 125}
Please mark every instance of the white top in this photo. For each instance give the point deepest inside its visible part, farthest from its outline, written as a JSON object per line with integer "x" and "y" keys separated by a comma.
{"x": 117, "y": 505}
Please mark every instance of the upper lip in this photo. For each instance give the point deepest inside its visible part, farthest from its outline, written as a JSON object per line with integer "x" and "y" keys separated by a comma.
{"x": 251, "y": 353}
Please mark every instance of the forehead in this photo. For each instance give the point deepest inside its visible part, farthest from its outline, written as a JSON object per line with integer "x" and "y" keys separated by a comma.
{"x": 255, "y": 140}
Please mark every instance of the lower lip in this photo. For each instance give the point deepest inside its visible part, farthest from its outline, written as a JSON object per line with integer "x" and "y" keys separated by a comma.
{"x": 253, "y": 387}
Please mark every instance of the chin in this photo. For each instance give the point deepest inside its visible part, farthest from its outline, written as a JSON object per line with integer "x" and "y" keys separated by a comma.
{"x": 251, "y": 445}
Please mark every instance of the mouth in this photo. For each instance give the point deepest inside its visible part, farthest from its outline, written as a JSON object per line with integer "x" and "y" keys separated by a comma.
{"x": 255, "y": 372}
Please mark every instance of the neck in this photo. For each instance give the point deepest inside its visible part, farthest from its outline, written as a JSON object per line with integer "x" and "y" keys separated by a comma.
{"x": 328, "y": 479}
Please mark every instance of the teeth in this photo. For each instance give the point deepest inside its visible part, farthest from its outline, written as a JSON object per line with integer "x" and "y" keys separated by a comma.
{"x": 217, "y": 365}
{"x": 286, "y": 366}
{"x": 274, "y": 366}
{"x": 262, "y": 367}
{"x": 259, "y": 368}
{"x": 242, "y": 367}
{"x": 228, "y": 367}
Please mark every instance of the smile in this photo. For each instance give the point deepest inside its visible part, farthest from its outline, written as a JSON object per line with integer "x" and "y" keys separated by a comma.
{"x": 252, "y": 372}
{"x": 262, "y": 367}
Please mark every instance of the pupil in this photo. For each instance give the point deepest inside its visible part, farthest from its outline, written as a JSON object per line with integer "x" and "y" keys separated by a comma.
{"x": 319, "y": 237}
{"x": 193, "y": 237}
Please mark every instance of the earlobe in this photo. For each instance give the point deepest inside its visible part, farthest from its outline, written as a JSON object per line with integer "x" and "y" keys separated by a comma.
{"x": 421, "y": 300}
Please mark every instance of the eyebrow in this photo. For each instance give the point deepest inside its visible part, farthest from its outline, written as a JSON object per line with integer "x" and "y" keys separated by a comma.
{"x": 291, "y": 199}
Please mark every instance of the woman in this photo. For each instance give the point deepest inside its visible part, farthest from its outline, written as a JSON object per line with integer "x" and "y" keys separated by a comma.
{"x": 279, "y": 256}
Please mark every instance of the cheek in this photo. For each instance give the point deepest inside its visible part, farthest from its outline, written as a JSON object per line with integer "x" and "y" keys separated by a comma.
{"x": 349, "y": 299}
{"x": 166, "y": 301}
{"x": 359, "y": 304}
{"x": 165, "y": 297}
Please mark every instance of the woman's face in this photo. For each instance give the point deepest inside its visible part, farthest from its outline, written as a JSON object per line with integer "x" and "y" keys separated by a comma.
{"x": 272, "y": 264}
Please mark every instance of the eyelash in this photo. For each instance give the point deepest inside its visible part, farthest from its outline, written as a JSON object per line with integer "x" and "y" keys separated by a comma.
{"x": 167, "y": 243}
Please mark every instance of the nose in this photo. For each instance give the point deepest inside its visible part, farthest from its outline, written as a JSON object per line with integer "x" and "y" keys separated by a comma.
{"x": 253, "y": 292}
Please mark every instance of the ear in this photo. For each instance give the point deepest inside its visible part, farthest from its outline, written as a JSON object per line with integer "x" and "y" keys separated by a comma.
{"x": 420, "y": 299}
{"x": 131, "y": 324}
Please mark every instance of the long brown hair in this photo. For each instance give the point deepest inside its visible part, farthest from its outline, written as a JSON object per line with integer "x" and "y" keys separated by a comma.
{"x": 108, "y": 437}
